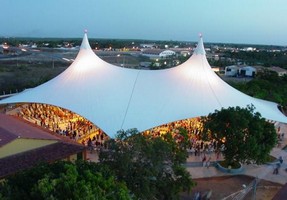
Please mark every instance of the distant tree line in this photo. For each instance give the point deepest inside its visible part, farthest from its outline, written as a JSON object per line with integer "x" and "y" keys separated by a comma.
{"x": 266, "y": 85}
{"x": 264, "y": 58}
{"x": 221, "y": 62}
{"x": 99, "y": 43}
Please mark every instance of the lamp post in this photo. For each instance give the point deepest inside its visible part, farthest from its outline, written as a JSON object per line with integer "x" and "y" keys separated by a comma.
{"x": 117, "y": 58}
{"x": 17, "y": 59}
{"x": 123, "y": 64}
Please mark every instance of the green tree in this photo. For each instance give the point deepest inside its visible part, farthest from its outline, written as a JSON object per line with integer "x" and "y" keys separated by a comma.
{"x": 65, "y": 180}
{"x": 150, "y": 166}
{"x": 247, "y": 136}
{"x": 266, "y": 85}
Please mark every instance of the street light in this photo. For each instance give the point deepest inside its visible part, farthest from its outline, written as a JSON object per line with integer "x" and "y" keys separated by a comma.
{"x": 123, "y": 64}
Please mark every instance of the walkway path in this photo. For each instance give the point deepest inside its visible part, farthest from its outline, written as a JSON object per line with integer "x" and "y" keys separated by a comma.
{"x": 261, "y": 171}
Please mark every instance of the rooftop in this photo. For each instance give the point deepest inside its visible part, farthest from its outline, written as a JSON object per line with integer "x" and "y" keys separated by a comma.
{"x": 12, "y": 128}
{"x": 18, "y": 162}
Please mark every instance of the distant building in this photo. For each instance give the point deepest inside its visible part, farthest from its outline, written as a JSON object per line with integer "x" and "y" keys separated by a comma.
{"x": 185, "y": 53}
{"x": 158, "y": 53}
{"x": 6, "y": 49}
{"x": 249, "y": 49}
{"x": 166, "y": 53}
{"x": 149, "y": 46}
{"x": 235, "y": 70}
{"x": 232, "y": 70}
{"x": 33, "y": 46}
{"x": 247, "y": 71}
{"x": 280, "y": 71}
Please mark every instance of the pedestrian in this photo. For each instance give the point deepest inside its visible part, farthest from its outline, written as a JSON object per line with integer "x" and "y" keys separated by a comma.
{"x": 90, "y": 145}
{"x": 217, "y": 154}
{"x": 276, "y": 169}
{"x": 198, "y": 150}
{"x": 281, "y": 160}
{"x": 201, "y": 145}
{"x": 208, "y": 162}
{"x": 208, "y": 195}
{"x": 197, "y": 196}
{"x": 203, "y": 160}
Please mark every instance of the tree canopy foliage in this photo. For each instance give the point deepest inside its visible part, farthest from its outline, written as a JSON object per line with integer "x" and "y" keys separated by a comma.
{"x": 135, "y": 166}
{"x": 150, "y": 166}
{"x": 260, "y": 57}
{"x": 266, "y": 85}
{"x": 247, "y": 137}
{"x": 64, "y": 180}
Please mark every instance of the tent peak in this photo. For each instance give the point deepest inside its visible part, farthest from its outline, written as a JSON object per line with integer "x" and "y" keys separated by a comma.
{"x": 200, "y": 47}
{"x": 85, "y": 42}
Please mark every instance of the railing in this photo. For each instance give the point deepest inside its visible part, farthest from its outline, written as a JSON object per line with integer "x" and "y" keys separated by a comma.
{"x": 242, "y": 193}
{"x": 7, "y": 95}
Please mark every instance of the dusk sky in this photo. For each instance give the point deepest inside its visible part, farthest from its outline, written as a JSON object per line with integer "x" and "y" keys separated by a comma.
{"x": 228, "y": 21}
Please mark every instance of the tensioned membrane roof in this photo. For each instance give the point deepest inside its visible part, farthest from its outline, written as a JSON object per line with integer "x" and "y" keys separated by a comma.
{"x": 116, "y": 98}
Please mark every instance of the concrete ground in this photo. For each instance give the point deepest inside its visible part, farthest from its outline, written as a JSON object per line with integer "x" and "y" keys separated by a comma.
{"x": 264, "y": 171}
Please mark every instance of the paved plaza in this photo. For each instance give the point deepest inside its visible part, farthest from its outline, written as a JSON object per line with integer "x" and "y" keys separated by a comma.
{"x": 264, "y": 171}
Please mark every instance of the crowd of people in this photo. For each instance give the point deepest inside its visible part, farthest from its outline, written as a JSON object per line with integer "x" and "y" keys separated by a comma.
{"x": 62, "y": 122}
{"x": 77, "y": 128}
{"x": 194, "y": 128}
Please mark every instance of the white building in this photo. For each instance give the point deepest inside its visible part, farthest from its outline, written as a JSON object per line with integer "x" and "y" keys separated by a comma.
{"x": 157, "y": 53}
{"x": 166, "y": 53}
{"x": 247, "y": 71}
{"x": 232, "y": 70}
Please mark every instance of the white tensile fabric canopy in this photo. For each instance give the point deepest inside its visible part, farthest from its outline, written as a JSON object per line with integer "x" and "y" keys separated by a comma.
{"x": 115, "y": 98}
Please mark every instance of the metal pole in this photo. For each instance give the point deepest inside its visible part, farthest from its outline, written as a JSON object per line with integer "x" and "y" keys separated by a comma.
{"x": 254, "y": 188}
{"x": 124, "y": 61}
